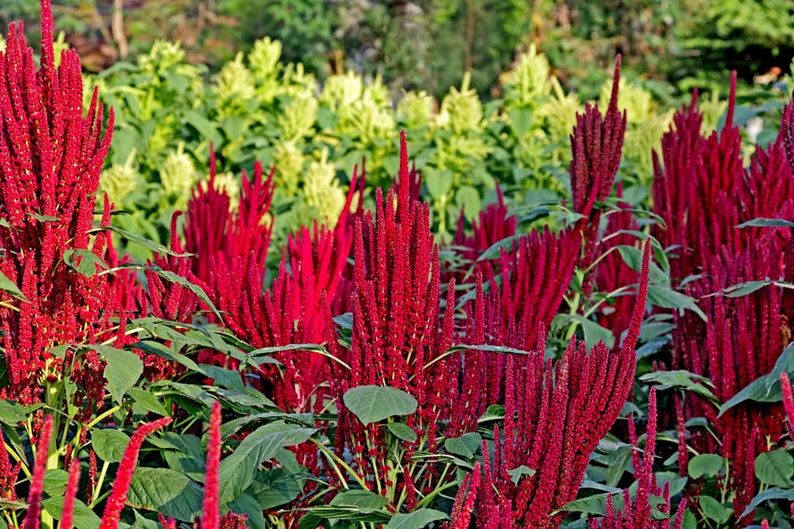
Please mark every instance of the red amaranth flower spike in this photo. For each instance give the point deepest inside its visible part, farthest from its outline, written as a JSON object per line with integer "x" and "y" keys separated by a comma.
{"x": 51, "y": 157}
{"x": 210, "y": 509}
{"x": 70, "y": 495}
{"x": 33, "y": 515}
{"x": 464, "y": 501}
{"x": 788, "y": 402}
{"x": 597, "y": 145}
{"x": 555, "y": 415}
{"x": 118, "y": 495}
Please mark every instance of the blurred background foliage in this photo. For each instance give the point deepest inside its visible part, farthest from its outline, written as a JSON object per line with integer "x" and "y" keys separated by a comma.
{"x": 671, "y": 45}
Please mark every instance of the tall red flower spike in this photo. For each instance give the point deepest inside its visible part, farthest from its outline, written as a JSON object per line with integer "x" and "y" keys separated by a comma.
{"x": 788, "y": 403}
{"x": 492, "y": 225}
{"x": 597, "y": 146}
{"x": 33, "y": 515}
{"x": 50, "y": 161}
{"x": 70, "y": 495}
{"x": 210, "y": 512}
{"x": 740, "y": 342}
{"x": 398, "y": 335}
{"x": 118, "y": 495}
{"x": 637, "y": 512}
{"x": 464, "y": 501}
{"x": 555, "y": 414}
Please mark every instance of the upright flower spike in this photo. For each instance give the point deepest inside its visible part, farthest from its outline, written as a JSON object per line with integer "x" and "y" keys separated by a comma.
{"x": 637, "y": 513}
{"x": 70, "y": 495}
{"x": 118, "y": 495}
{"x": 398, "y": 335}
{"x": 210, "y": 512}
{"x": 464, "y": 501}
{"x": 555, "y": 415}
{"x": 492, "y": 225}
{"x": 788, "y": 403}
{"x": 33, "y": 515}
{"x": 50, "y": 161}
{"x": 597, "y": 146}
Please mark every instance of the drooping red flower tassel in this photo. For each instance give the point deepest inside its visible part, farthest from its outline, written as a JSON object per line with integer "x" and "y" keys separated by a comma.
{"x": 70, "y": 495}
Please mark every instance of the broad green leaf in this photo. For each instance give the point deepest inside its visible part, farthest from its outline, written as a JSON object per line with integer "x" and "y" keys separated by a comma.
{"x": 239, "y": 469}
{"x": 765, "y": 388}
{"x": 147, "y": 400}
{"x": 163, "y": 351}
{"x": 518, "y": 473}
{"x": 665, "y": 297}
{"x": 465, "y": 446}
{"x": 714, "y": 509}
{"x": 438, "y": 182}
{"x": 775, "y": 468}
{"x": 175, "y": 278}
{"x": 769, "y": 494}
{"x": 88, "y": 261}
{"x": 141, "y": 241}
{"x": 402, "y": 431}
{"x": 705, "y": 465}
{"x": 416, "y": 520}
{"x": 9, "y": 286}
{"x": 633, "y": 258}
{"x": 375, "y": 403}
{"x": 762, "y": 222}
{"x": 55, "y": 480}
{"x": 109, "y": 444}
{"x": 167, "y": 492}
{"x": 495, "y": 250}
{"x": 682, "y": 379}
{"x": 245, "y": 504}
{"x": 12, "y": 413}
{"x": 364, "y": 500}
{"x": 275, "y": 487}
{"x": 82, "y": 516}
{"x": 122, "y": 371}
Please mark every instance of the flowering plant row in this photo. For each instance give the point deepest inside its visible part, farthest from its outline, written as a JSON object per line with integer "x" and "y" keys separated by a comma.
{"x": 379, "y": 379}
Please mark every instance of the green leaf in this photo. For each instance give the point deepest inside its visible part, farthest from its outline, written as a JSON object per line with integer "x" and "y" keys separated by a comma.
{"x": 179, "y": 280}
{"x": 762, "y": 222}
{"x": 82, "y": 516}
{"x": 682, "y": 379}
{"x": 416, "y": 520}
{"x": 496, "y": 248}
{"x": 88, "y": 261}
{"x": 9, "y": 286}
{"x": 465, "y": 446}
{"x": 765, "y": 388}
{"x": 109, "y": 444}
{"x": 633, "y": 258}
{"x": 150, "y": 245}
{"x": 438, "y": 182}
{"x": 769, "y": 494}
{"x": 516, "y": 474}
{"x": 12, "y": 413}
{"x": 147, "y": 400}
{"x": 665, "y": 297}
{"x": 245, "y": 504}
{"x": 705, "y": 465}
{"x": 55, "y": 480}
{"x": 775, "y": 468}
{"x": 275, "y": 487}
{"x": 402, "y": 431}
{"x": 364, "y": 500}
{"x": 122, "y": 371}
{"x": 714, "y": 510}
{"x": 375, "y": 403}
{"x": 239, "y": 469}
{"x": 165, "y": 491}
